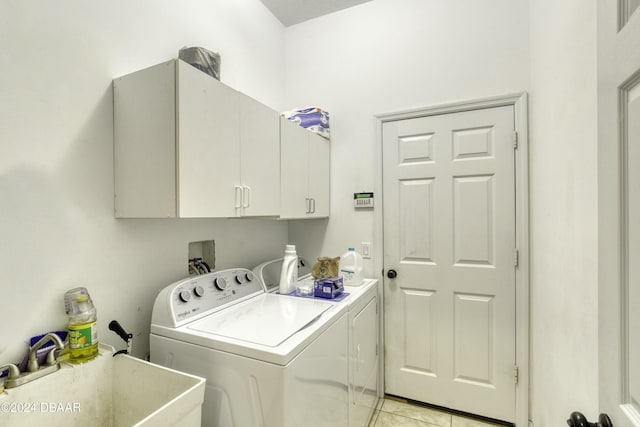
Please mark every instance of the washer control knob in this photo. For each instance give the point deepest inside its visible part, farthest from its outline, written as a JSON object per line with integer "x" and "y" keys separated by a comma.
{"x": 244, "y": 277}
{"x": 185, "y": 296}
{"x": 220, "y": 283}
{"x": 198, "y": 291}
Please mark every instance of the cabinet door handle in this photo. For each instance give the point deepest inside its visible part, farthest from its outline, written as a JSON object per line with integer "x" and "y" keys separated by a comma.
{"x": 313, "y": 204}
{"x": 307, "y": 202}
{"x": 238, "y": 190}
{"x": 246, "y": 196}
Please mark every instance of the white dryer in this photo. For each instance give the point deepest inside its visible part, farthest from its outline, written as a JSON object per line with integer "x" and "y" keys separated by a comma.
{"x": 363, "y": 353}
{"x": 269, "y": 360}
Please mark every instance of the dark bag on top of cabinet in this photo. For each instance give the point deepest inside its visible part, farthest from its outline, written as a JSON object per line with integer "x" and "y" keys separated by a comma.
{"x": 203, "y": 59}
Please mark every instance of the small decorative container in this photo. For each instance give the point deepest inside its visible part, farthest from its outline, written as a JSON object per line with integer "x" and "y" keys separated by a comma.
{"x": 329, "y": 287}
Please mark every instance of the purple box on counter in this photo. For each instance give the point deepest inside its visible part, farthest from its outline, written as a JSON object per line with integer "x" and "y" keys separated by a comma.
{"x": 329, "y": 287}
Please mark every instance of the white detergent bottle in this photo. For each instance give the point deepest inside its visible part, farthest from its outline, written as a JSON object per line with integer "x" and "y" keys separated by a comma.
{"x": 351, "y": 268}
{"x": 289, "y": 272}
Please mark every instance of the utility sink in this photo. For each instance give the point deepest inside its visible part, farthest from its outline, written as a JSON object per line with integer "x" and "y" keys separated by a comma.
{"x": 107, "y": 391}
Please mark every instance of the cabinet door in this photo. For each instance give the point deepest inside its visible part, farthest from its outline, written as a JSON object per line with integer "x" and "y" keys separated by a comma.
{"x": 144, "y": 143}
{"x": 319, "y": 175}
{"x": 294, "y": 170}
{"x": 260, "y": 158}
{"x": 363, "y": 364}
{"x": 208, "y": 145}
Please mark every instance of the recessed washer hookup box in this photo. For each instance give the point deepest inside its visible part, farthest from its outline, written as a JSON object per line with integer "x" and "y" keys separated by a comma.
{"x": 329, "y": 287}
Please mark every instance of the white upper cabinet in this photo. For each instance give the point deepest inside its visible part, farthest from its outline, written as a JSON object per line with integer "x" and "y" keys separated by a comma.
{"x": 260, "y": 158}
{"x": 305, "y": 172}
{"x": 319, "y": 174}
{"x": 207, "y": 144}
{"x": 189, "y": 146}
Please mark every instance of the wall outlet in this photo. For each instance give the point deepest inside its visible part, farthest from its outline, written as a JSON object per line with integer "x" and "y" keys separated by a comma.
{"x": 365, "y": 250}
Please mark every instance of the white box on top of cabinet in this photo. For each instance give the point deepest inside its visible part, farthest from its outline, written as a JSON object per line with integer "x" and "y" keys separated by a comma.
{"x": 188, "y": 146}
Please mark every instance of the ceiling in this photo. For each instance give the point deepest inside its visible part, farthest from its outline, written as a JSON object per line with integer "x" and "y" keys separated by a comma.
{"x": 291, "y": 12}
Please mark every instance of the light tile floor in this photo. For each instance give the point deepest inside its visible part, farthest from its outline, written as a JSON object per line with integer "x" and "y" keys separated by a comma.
{"x": 396, "y": 413}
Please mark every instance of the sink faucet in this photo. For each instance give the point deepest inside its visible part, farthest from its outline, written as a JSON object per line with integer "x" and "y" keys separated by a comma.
{"x": 33, "y": 365}
{"x": 14, "y": 372}
{"x": 34, "y": 371}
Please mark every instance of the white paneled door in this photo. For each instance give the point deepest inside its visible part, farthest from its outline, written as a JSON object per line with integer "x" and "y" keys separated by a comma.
{"x": 619, "y": 211}
{"x": 449, "y": 237}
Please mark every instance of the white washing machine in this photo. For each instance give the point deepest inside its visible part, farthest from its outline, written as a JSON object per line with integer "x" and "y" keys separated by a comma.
{"x": 363, "y": 320}
{"x": 269, "y": 360}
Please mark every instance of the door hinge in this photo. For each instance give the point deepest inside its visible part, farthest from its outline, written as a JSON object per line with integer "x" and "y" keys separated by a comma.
{"x": 515, "y": 140}
{"x": 516, "y": 257}
{"x": 516, "y": 374}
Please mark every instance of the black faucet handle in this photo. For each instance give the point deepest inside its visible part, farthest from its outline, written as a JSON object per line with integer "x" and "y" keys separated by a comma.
{"x": 118, "y": 329}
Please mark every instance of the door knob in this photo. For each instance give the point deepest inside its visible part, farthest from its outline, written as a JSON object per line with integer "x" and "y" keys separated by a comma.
{"x": 392, "y": 274}
{"x": 579, "y": 420}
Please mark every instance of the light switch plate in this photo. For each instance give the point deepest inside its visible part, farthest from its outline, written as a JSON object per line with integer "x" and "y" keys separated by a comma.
{"x": 365, "y": 250}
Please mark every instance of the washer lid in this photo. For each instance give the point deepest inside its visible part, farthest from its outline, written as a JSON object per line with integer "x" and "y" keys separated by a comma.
{"x": 267, "y": 320}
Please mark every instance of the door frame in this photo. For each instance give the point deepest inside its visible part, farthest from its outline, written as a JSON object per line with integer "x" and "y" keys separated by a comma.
{"x": 519, "y": 103}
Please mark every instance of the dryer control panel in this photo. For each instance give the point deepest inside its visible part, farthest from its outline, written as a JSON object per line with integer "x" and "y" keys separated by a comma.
{"x": 191, "y": 298}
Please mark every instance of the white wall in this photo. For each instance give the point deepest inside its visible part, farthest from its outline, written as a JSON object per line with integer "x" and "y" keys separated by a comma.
{"x": 57, "y": 228}
{"x": 386, "y": 56}
{"x": 563, "y": 168}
